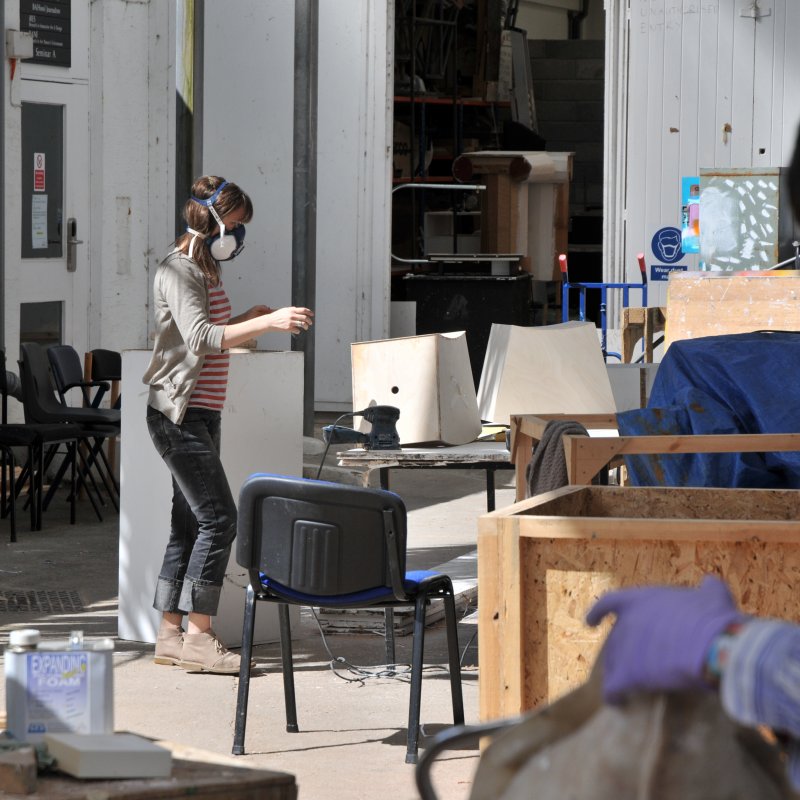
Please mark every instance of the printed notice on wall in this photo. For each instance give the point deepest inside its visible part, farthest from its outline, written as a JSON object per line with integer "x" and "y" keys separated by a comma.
{"x": 39, "y": 222}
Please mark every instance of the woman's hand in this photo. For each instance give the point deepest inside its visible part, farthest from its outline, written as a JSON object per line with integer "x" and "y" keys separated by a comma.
{"x": 292, "y": 319}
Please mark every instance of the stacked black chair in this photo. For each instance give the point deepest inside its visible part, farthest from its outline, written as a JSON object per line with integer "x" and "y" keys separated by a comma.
{"x": 106, "y": 368}
{"x": 314, "y": 543}
{"x": 42, "y": 406}
{"x": 34, "y": 438}
{"x": 65, "y": 365}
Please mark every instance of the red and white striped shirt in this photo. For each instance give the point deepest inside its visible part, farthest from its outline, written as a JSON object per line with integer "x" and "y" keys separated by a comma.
{"x": 212, "y": 384}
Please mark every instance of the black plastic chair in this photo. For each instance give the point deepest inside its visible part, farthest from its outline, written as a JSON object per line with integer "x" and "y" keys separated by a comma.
{"x": 37, "y": 440}
{"x": 105, "y": 367}
{"x": 314, "y": 543}
{"x": 65, "y": 366}
{"x": 42, "y": 406}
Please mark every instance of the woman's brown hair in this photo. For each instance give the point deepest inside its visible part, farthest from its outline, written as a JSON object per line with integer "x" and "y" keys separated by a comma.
{"x": 198, "y": 217}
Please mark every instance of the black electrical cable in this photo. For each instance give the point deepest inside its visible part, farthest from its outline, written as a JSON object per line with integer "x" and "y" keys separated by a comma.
{"x": 330, "y": 439}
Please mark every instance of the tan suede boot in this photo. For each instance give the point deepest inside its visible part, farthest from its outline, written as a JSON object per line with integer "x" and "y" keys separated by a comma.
{"x": 169, "y": 645}
{"x": 204, "y": 652}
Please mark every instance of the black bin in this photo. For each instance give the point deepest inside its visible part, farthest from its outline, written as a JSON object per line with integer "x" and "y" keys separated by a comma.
{"x": 470, "y": 303}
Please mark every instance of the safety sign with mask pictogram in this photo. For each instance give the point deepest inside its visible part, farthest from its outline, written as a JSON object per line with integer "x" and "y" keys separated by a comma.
{"x": 666, "y": 248}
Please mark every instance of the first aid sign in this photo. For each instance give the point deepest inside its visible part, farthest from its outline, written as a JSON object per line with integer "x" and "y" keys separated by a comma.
{"x": 38, "y": 172}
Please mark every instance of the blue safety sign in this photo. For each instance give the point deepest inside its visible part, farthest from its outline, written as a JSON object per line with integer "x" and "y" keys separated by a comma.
{"x": 666, "y": 245}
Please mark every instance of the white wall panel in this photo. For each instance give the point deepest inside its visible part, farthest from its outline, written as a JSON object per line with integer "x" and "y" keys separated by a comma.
{"x": 248, "y": 137}
{"x": 696, "y": 67}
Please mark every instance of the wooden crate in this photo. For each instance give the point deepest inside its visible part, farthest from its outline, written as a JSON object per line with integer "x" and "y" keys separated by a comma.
{"x": 715, "y": 303}
{"x": 543, "y": 562}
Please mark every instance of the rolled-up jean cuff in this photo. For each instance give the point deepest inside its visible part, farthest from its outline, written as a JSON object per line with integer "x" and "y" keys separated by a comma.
{"x": 168, "y": 594}
{"x": 199, "y": 597}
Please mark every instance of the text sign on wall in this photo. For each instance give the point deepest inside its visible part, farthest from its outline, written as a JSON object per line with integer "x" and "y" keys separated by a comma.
{"x": 38, "y": 172}
{"x": 49, "y": 22}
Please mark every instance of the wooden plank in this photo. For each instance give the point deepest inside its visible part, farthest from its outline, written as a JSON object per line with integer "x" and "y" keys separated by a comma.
{"x": 711, "y": 304}
{"x": 499, "y": 608}
{"x": 586, "y": 456}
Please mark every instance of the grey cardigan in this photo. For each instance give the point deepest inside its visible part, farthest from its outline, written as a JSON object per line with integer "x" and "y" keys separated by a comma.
{"x": 183, "y": 335}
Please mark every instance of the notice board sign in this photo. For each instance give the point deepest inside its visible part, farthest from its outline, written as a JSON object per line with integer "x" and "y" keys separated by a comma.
{"x": 49, "y": 21}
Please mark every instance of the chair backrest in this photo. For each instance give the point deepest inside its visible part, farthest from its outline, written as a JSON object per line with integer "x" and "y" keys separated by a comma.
{"x": 39, "y": 399}
{"x": 320, "y": 538}
{"x": 106, "y": 365}
{"x": 67, "y": 372}
{"x": 3, "y": 388}
{"x": 38, "y": 395}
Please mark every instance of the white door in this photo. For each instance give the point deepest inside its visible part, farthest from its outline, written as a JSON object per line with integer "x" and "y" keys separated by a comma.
{"x": 47, "y": 197}
{"x": 52, "y": 265}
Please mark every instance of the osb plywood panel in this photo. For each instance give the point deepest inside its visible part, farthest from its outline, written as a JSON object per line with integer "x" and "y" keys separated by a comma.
{"x": 711, "y": 304}
{"x": 561, "y": 578}
{"x": 650, "y": 503}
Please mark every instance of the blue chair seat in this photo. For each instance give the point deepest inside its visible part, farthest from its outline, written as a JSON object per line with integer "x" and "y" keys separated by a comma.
{"x": 377, "y": 596}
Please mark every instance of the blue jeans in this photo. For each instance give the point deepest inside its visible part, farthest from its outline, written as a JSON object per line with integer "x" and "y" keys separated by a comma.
{"x": 203, "y": 512}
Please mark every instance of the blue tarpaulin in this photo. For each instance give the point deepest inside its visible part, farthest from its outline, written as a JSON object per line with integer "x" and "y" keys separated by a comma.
{"x": 738, "y": 383}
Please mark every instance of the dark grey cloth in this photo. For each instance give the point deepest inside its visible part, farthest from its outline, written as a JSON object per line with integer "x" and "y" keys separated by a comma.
{"x": 548, "y": 466}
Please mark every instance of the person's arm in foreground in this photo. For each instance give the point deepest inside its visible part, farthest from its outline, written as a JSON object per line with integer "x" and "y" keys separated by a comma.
{"x": 669, "y": 639}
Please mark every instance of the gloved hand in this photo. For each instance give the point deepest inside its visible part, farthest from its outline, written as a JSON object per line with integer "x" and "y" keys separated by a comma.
{"x": 662, "y": 636}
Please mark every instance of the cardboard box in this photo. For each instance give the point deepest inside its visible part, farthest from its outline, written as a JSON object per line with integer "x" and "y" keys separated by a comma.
{"x": 543, "y": 562}
{"x": 428, "y": 378}
{"x": 548, "y": 369}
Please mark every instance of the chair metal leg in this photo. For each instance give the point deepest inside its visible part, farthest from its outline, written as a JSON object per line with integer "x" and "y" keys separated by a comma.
{"x": 453, "y": 657}
{"x": 288, "y": 668}
{"x": 244, "y": 672}
{"x": 388, "y": 634}
{"x": 3, "y": 482}
{"x": 11, "y": 500}
{"x": 415, "y": 694}
{"x": 73, "y": 483}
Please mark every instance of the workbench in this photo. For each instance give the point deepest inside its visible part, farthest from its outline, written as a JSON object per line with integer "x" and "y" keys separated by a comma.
{"x": 195, "y": 773}
{"x": 488, "y": 456}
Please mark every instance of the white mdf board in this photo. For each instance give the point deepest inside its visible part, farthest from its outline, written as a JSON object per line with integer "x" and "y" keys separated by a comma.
{"x": 262, "y": 431}
{"x": 547, "y": 369}
{"x": 428, "y": 378}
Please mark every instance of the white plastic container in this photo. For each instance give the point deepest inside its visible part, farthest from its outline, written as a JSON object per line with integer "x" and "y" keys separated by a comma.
{"x": 58, "y": 685}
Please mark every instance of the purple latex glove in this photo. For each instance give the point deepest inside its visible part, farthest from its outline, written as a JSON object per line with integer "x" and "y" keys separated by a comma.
{"x": 662, "y": 636}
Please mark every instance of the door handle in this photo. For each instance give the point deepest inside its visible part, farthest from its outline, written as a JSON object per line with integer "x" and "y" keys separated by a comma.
{"x": 72, "y": 244}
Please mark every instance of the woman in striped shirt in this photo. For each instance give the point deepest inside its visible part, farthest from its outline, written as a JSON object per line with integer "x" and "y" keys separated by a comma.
{"x": 188, "y": 376}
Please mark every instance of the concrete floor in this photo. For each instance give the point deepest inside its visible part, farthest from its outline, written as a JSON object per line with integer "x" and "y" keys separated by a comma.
{"x": 351, "y": 742}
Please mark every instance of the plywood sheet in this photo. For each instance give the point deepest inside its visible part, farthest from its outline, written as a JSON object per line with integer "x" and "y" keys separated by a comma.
{"x": 548, "y": 369}
{"x": 713, "y": 303}
{"x": 429, "y": 378}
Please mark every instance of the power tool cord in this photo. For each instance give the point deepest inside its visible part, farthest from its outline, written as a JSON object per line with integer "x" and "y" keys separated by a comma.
{"x": 328, "y": 443}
